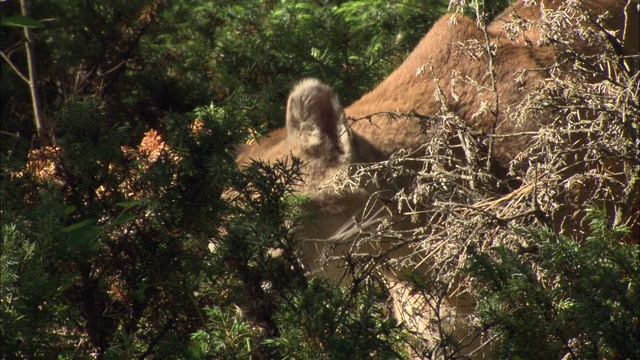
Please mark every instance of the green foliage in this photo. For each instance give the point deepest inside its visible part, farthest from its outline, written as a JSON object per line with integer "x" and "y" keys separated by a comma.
{"x": 257, "y": 263}
{"x": 27, "y": 286}
{"x": 145, "y": 58}
{"x": 323, "y": 321}
{"x": 226, "y": 336}
{"x": 569, "y": 299}
{"x": 21, "y": 21}
{"x": 107, "y": 253}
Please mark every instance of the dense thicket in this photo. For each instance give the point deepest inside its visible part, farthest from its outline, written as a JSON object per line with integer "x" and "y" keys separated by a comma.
{"x": 129, "y": 232}
{"x": 144, "y": 58}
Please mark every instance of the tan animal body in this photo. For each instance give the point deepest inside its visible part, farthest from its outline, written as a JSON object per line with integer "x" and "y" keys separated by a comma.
{"x": 318, "y": 131}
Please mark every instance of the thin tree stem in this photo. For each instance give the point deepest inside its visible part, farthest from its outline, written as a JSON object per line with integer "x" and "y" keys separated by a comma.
{"x": 33, "y": 86}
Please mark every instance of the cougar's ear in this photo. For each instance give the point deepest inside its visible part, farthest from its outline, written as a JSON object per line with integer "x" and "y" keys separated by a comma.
{"x": 316, "y": 120}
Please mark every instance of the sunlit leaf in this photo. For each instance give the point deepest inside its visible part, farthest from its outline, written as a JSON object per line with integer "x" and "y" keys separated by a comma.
{"x": 129, "y": 204}
{"x": 123, "y": 218}
{"x": 21, "y": 21}
{"x": 82, "y": 224}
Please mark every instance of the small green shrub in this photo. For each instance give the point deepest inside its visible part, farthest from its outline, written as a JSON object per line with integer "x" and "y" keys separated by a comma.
{"x": 565, "y": 299}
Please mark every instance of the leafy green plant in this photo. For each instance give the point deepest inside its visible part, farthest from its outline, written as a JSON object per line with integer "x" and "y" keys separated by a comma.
{"x": 226, "y": 336}
{"x": 565, "y": 299}
{"x": 323, "y": 321}
{"x": 144, "y": 58}
{"x": 106, "y": 252}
